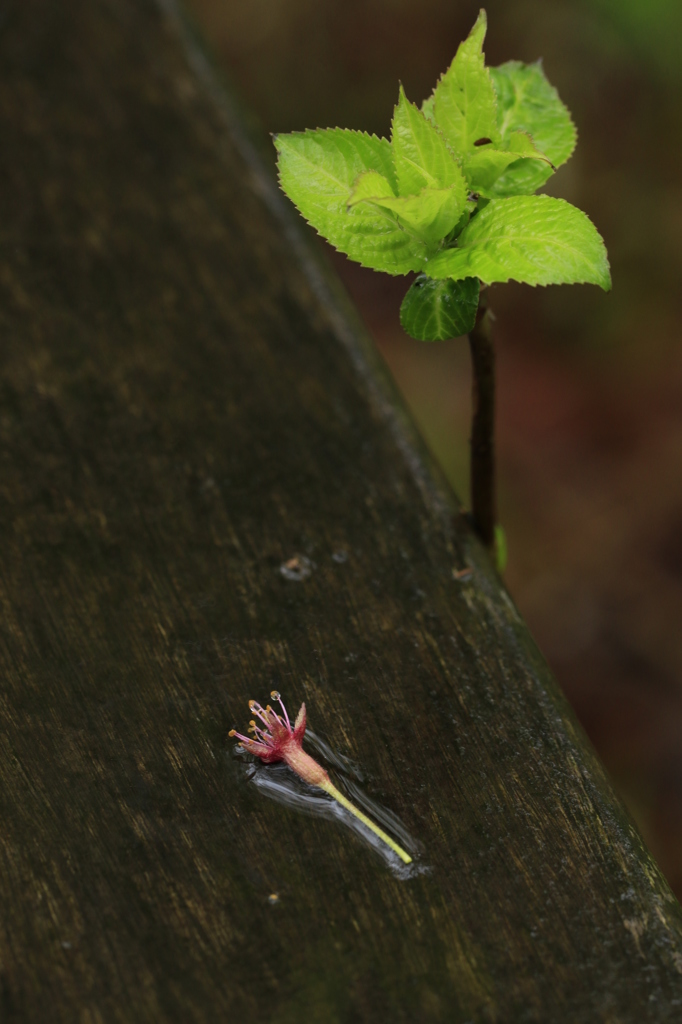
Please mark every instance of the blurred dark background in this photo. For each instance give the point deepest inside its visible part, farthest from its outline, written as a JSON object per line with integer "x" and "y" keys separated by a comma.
{"x": 590, "y": 385}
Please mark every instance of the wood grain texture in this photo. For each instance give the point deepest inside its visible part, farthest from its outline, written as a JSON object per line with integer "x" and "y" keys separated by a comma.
{"x": 185, "y": 404}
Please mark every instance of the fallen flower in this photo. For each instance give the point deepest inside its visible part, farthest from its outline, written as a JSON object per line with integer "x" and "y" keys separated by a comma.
{"x": 280, "y": 741}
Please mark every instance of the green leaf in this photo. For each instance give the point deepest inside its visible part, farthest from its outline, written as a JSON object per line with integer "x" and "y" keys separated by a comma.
{"x": 533, "y": 239}
{"x": 432, "y": 214}
{"x": 421, "y": 155}
{"x": 370, "y": 185}
{"x": 522, "y": 178}
{"x": 465, "y": 104}
{"x": 318, "y": 170}
{"x": 428, "y": 108}
{"x": 522, "y": 143}
{"x": 487, "y": 163}
{"x": 527, "y": 102}
{"x": 438, "y": 310}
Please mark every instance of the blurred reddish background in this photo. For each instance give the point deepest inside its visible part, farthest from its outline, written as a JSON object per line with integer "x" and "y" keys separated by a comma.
{"x": 590, "y": 386}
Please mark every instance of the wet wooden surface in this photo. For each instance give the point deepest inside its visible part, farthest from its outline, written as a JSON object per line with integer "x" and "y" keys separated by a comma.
{"x": 186, "y": 404}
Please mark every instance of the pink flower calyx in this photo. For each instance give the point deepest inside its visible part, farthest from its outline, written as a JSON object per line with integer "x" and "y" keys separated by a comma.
{"x": 275, "y": 739}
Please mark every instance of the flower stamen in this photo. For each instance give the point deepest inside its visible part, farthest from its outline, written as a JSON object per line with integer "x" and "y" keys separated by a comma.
{"x": 275, "y": 696}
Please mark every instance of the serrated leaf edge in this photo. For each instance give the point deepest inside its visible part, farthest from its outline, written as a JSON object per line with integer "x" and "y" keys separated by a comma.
{"x": 432, "y": 124}
{"x": 539, "y": 64}
{"x": 541, "y": 284}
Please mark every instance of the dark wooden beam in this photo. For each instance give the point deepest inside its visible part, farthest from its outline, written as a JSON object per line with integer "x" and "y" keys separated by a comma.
{"x": 186, "y": 404}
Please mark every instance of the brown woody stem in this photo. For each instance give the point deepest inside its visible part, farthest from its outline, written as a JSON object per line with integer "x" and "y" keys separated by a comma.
{"x": 483, "y": 510}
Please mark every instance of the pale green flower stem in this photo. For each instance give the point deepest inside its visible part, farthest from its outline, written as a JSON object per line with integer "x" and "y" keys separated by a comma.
{"x": 328, "y": 787}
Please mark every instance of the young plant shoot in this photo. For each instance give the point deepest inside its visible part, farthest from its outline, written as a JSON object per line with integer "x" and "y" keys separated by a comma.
{"x": 276, "y": 739}
{"x": 452, "y": 197}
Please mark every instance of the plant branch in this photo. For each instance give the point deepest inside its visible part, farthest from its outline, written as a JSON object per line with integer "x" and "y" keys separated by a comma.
{"x": 482, "y": 469}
